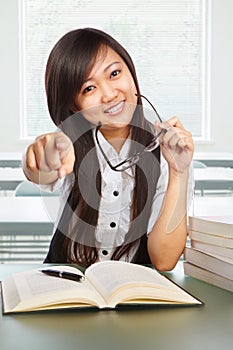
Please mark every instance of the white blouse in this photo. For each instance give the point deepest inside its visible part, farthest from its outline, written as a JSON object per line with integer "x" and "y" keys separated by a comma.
{"x": 116, "y": 197}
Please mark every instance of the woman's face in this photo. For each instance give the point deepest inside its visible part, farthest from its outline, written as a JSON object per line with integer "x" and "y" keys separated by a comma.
{"x": 108, "y": 94}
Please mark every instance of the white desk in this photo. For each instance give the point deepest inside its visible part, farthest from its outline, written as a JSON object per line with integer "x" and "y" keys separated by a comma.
{"x": 213, "y": 178}
{"x": 26, "y": 226}
{"x": 28, "y": 209}
{"x": 10, "y": 159}
{"x": 213, "y": 159}
{"x": 10, "y": 178}
{"x": 213, "y": 173}
{"x": 212, "y": 206}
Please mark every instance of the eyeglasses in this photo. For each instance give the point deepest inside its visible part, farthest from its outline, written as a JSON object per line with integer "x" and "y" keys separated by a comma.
{"x": 131, "y": 161}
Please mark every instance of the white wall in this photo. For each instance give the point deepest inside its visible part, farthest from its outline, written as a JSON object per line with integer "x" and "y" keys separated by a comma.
{"x": 221, "y": 89}
{"x": 9, "y": 81}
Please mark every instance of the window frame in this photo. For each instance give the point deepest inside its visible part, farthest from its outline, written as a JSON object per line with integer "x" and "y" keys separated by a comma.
{"x": 205, "y": 79}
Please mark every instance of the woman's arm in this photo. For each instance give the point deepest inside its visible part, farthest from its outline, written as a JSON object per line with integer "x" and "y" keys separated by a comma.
{"x": 168, "y": 237}
{"x": 50, "y": 157}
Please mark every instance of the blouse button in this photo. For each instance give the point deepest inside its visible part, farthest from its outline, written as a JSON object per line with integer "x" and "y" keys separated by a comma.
{"x": 112, "y": 224}
{"x": 104, "y": 252}
{"x": 115, "y": 193}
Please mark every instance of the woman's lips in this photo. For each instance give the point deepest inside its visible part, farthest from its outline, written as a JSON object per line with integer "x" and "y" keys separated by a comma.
{"x": 117, "y": 108}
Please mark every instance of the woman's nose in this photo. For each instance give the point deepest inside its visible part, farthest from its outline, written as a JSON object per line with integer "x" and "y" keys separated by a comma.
{"x": 109, "y": 93}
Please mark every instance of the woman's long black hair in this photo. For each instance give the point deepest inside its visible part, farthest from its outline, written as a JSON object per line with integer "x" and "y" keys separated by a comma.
{"x": 68, "y": 66}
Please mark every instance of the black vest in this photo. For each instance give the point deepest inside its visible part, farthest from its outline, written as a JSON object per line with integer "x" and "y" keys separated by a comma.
{"x": 56, "y": 253}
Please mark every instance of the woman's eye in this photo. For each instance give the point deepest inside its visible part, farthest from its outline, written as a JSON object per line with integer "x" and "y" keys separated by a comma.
{"x": 88, "y": 89}
{"x": 115, "y": 73}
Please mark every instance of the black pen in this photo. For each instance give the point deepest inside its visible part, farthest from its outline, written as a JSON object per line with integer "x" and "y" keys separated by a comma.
{"x": 64, "y": 274}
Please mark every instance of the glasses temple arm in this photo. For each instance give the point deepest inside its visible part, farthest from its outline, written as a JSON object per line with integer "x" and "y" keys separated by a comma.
{"x": 151, "y": 106}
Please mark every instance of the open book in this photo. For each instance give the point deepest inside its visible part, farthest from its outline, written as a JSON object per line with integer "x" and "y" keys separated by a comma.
{"x": 106, "y": 285}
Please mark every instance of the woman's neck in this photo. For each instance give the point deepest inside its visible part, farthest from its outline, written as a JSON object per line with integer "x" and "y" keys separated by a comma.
{"x": 116, "y": 137}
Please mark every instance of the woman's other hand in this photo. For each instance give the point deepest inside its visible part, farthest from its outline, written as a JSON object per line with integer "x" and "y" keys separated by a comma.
{"x": 177, "y": 145}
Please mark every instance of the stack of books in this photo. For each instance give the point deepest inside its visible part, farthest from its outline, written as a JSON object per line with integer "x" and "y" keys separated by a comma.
{"x": 210, "y": 254}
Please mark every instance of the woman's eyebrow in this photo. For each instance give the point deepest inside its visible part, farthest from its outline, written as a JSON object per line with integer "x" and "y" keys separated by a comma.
{"x": 111, "y": 64}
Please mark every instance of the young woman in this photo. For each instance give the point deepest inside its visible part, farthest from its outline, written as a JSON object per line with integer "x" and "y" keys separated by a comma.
{"x": 123, "y": 190}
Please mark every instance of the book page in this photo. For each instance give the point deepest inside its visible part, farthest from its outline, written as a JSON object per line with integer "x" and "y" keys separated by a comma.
{"x": 126, "y": 280}
{"x": 212, "y": 239}
{"x": 227, "y": 219}
{"x": 213, "y": 249}
{"x": 213, "y": 225}
{"x": 33, "y": 290}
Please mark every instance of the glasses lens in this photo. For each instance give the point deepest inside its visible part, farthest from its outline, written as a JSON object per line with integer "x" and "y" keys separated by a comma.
{"x": 155, "y": 141}
{"x": 152, "y": 145}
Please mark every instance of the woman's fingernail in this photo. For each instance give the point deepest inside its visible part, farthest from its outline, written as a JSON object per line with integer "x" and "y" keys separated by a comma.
{"x": 181, "y": 143}
{"x": 61, "y": 145}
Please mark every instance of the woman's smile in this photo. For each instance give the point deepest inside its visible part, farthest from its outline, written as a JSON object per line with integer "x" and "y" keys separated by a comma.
{"x": 115, "y": 109}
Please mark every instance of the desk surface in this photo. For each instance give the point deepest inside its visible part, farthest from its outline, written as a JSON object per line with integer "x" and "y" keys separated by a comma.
{"x": 215, "y": 159}
{"x": 12, "y": 174}
{"x": 9, "y": 159}
{"x": 10, "y": 178}
{"x": 214, "y": 179}
{"x": 213, "y": 174}
{"x": 212, "y": 206}
{"x": 205, "y": 327}
{"x": 28, "y": 209}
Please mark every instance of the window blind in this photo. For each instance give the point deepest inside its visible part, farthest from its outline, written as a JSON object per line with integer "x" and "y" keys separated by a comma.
{"x": 167, "y": 41}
